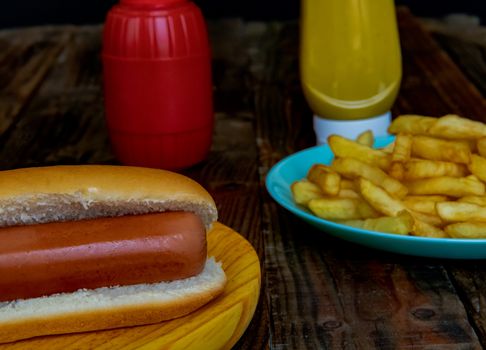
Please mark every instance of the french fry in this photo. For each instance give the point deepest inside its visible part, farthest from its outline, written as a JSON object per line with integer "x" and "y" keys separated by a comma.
{"x": 345, "y": 148}
{"x": 448, "y": 186}
{"x": 365, "y": 138}
{"x": 452, "y": 126}
{"x": 422, "y": 206}
{"x": 379, "y": 199}
{"x": 437, "y": 149}
{"x": 478, "y": 200}
{"x": 348, "y": 193}
{"x": 401, "y": 224}
{"x": 341, "y": 208}
{"x": 481, "y": 146}
{"x": 366, "y": 210}
{"x": 423, "y": 229}
{"x": 430, "y": 219}
{"x": 478, "y": 166}
{"x": 388, "y": 149}
{"x": 423, "y": 168}
{"x": 433, "y": 198}
{"x": 349, "y": 185}
{"x": 397, "y": 170}
{"x": 428, "y": 182}
{"x": 403, "y": 148}
{"x": 471, "y": 143}
{"x": 466, "y": 230}
{"x": 459, "y": 211}
{"x": 411, "y": 124}
{"x": 327, "y": 179}
{"x": 353, "y": 168}
{"x": 303, "y": 191}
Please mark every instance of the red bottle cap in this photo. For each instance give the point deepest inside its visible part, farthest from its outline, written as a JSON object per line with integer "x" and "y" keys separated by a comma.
{"x": 151, "y": 2}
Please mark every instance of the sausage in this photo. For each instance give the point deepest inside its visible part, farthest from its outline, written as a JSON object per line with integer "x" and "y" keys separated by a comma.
{"x": 44, "y": 259}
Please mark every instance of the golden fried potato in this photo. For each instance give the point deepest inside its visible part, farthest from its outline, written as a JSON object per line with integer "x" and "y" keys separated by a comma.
{"x": 411, "y": 124}
{"x": 349, "y": 185}
{"x": 471, "y": 143}
{"x": 344, "y": 148}
{"x": 447, "y": 186}
{"x": 341, "y": 208}
{"x": 403, "y": 148}
{"x": 459, "y": 211}
{"x": 420, "y": 205}
{"x": 479, "y": 200}
{"x": 452, "y": 126}
{"x": 434, "y": 220}
{"x": 365, "y": 138}
{"x": 401, "y": 224}
{"x": 366, "y": 210}
{"x": 424, "y": 168}
{"x": 348, "y": 193}
{"x": 388, "y": 149}
{"x": 478, "y": 166}
{"x": 327, "y": 179}
{"x": 433, "y": 198}
{"x": 423, "y": 229}
{"x": 303, "y": 191}
{"x": 379, "y": 199}
{"x": 436, "y": 149}
{"x": 428, "y": 182}
{"x": 353, "y": 168}
{"x": 397, "y": 170}
{"x": 481, "y": 146}
{"x": 466, "y": 230}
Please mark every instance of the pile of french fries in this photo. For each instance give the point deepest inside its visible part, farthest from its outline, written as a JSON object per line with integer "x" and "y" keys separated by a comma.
{"x": 429, "y": 182}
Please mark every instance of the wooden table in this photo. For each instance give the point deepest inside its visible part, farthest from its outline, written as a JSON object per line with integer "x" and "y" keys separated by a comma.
{"x": 318, "y": 292}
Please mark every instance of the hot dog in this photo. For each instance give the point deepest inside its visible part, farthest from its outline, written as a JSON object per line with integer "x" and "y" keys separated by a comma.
{"x": 95, "y": 247}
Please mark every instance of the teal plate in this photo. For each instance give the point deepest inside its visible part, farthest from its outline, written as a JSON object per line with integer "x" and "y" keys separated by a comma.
{"x": 295, "y": 167}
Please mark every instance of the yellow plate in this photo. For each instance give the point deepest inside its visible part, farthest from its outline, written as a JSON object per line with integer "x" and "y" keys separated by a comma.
{"x": 217, "y": 325}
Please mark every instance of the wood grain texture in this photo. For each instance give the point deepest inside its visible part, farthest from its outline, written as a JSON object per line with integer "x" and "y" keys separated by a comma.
{"x": 466, "y": 45}
{"x": 432, "y": 83}
{"x": 64, "y": 118}
{"x": 217, "y": 325}
{"x": 328, "y": 294}
{"x": 24, "y": 61}
{"x": 318, "y": 292}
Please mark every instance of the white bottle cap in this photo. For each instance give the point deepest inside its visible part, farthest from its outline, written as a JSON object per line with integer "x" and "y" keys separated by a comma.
{"x": 350, "y": 128}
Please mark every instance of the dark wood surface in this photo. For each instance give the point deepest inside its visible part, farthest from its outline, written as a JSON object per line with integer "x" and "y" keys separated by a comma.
{"x": 318, "y": 292}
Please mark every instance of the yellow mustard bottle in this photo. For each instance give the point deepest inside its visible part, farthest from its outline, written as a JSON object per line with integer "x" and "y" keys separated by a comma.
{"x": 350, "y": 64}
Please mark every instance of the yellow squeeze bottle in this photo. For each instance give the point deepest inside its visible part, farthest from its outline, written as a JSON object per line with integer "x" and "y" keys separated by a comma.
{"x": 350, "y": 65}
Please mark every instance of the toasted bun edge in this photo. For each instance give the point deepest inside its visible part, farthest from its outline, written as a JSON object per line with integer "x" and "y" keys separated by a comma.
{"x": 61, "y": 193}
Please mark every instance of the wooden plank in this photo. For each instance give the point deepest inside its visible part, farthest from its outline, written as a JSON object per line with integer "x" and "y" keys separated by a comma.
{"x": 432, "y": 83}
{"x": 469, "y": 56}
{"x": 468, "y": 52}
{"x": 325, "y": 293}
{"x": 64, "y": 119}
{"x": 25, "y": 58}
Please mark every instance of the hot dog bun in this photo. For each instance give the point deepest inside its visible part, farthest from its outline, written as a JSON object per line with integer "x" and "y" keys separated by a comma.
{"x": 61, "y": 193}
{"x": 64, "y": 193}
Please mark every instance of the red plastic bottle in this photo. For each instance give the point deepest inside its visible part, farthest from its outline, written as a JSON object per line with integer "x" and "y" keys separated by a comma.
{"x": 157, "y": 81}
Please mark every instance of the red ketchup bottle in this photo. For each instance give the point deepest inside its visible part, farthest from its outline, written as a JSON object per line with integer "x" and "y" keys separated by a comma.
{"x": 157, "y": 83}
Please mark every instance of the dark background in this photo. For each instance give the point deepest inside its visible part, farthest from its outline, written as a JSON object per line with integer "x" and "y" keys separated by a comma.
{"x": 36, "y": 12}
